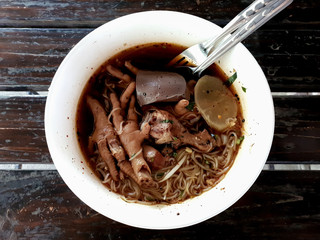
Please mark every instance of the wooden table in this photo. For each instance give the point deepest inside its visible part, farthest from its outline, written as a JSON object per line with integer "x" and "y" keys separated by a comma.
{"x": 35, "y": 36}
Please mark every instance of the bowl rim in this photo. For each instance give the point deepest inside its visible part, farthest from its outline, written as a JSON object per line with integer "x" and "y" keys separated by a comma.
{"x": 170, "y": 216}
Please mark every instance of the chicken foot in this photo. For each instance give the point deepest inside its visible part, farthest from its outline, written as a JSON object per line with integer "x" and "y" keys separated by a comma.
{"x": 104, "y": 135}
{"x": 131, "y": 136}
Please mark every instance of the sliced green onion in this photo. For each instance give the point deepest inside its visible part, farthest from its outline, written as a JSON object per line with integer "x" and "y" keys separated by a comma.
{"x": 244, "y": 89}
{"x": 135, "y": 154}
{"x": 160, "y": 174}
{"x": 181, "y": 193}
{"x": 240, "y": 139}
{"x": 231, "y": 79}
{"x": 190, "y": 106}
{"x": 167, "y": 121}
{"x": 149, "y": 198}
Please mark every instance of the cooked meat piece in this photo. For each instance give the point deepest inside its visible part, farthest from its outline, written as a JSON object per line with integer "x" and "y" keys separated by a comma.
{"x": 165, "y": 128}
{"x": 153, "y": 157}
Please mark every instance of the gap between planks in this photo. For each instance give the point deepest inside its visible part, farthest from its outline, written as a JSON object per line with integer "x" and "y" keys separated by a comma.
{"x": 51, "y": 167}
{"x": 41, "y": 94}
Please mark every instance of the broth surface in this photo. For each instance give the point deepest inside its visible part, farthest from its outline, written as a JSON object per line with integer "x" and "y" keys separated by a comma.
{"x": 210, "y": 166}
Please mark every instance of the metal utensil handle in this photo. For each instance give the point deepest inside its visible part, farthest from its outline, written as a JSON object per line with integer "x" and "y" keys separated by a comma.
{"x": 243, "y": 17}
{"x": 244, "y": 31}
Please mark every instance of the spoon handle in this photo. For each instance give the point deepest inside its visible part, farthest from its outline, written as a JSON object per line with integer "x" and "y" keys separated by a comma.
{"x": 259, "y": 13}
{"x": 243, "y": 17}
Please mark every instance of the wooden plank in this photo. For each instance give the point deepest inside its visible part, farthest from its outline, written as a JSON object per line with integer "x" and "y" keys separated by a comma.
{"x": 273, "y": 41}
{"x": 91, "y": 13}
{"x": 23, "y": 145}
{"x": 30, "y": 57}
{"x": 38, "y": 205}
{"x": 22, "y": 112}
{"x": 296, "y": 139}
{"x": 297, "y": 130}
{"x": 288, "y": 67}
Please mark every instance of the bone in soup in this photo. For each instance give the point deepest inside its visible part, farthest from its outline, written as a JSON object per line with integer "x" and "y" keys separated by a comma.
{"x": 165, "y": 151}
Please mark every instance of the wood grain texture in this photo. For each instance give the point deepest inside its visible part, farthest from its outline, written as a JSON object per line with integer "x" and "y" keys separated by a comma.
{"x": 90, "y": 13}
{"x": 22, "y": 112}
{"x": 296, "y": 139}
{"x": 22, "y": 136}
{"x": 288, "y": 67}
{"x": 35, "y": 36}
{"x": 297, "y": 130}
{"x": 23, "y": 145}
{"x": 30, "y": 57}
{"x": 38, "y": 205}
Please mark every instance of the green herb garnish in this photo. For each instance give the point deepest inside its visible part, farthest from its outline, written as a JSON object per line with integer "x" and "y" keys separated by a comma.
{"x": 240, "y": 139}
{"x": 181, "y": 193}
{"x": 148, "y": 198}
{"x": 190, "y": 106}
{"x": 231, "y": 79}
{"x": 167, "y": 121}
{"x": 174, "y": 154}
{"x": 244, "y": 89}
{"x": 160, "y": 174}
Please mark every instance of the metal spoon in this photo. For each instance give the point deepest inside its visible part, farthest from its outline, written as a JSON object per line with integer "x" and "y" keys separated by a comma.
{"x": 164, "y": 86}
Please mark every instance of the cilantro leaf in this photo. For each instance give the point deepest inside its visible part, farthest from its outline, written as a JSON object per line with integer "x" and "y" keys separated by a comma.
{"x": 190, "y": 106}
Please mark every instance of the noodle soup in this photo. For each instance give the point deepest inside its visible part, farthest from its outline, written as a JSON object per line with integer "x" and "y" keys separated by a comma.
{"x": 64, "y": 110}
{"x": 179, "y": 156}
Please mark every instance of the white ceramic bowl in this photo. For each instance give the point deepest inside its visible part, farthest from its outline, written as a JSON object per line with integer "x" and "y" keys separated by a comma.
{"x": 125, "y": 32}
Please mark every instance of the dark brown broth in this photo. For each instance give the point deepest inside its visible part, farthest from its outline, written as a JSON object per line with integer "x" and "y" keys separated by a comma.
{"x": 148, "y": 57}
